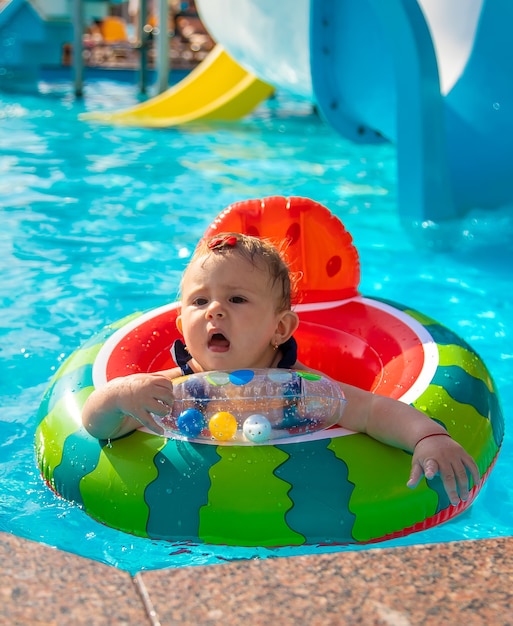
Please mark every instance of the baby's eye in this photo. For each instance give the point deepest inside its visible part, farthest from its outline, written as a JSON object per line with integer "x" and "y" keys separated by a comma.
{"x": 237, "y": 299}
{"x": 200, "y": 301}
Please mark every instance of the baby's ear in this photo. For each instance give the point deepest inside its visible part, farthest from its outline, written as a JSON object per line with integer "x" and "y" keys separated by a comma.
{"x": 179, "y": 324}
{"x": 287, "y": 326}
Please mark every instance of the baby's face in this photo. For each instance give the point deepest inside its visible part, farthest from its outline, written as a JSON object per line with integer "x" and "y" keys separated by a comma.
{"x": 229, "y": 315}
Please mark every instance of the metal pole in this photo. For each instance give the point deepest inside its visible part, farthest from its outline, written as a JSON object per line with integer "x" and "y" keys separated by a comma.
{"x": 143, "y": 35}
{"x": 78, "y": 59}
{"x": 162, "y": 48}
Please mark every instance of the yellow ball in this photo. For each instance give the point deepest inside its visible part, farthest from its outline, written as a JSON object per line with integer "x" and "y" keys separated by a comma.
{"x": 223, "y": 426}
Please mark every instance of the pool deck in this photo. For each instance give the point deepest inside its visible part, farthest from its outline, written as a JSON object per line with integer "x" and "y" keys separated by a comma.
{"x": 469, "y": 583}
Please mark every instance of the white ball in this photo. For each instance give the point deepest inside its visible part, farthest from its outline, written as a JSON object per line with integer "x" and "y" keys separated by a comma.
{"x": 257, "y": 428}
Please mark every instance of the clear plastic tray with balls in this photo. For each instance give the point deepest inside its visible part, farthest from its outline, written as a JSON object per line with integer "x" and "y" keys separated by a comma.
{"x": 247, "y": 407}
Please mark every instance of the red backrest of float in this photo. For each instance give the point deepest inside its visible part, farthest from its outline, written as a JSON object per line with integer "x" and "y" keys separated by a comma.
{"x": 146, "y": 348}
{"x": 362, "y": 345}
{"x": 338, "y": 354}
{"x": 315, "y": 243}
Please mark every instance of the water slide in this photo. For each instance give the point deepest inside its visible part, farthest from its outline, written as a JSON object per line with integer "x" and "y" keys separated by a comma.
{"x": 32, "y": 33}
{"x": 217, "y": 89}
{"x": 431, "y": 76}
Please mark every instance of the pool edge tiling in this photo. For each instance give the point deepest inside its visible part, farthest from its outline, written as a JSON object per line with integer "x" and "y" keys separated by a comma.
{"x": 467, "y": 582}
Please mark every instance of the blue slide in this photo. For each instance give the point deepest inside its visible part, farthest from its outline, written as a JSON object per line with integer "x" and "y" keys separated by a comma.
{"x": 31, "y": 34}
{"x": 434, "y": 77}
{"x": 376, "y": 74}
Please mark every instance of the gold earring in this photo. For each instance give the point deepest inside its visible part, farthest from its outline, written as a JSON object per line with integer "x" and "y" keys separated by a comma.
{"x": 275, "y": 345}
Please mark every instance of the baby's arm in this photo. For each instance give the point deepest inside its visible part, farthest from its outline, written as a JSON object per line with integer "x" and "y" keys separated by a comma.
{"x": 124, "y": 404}
{"x": 402, "y": 426}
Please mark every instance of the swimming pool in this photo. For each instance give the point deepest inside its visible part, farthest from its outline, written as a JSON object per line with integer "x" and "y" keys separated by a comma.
{"x": 100, "y": 221}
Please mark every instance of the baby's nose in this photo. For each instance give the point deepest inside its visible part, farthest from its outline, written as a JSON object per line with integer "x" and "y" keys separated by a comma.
{"x": 215, "y": 309}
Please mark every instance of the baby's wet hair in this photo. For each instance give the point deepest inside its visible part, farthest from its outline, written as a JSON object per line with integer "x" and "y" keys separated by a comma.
{"x": 260, "y": 253}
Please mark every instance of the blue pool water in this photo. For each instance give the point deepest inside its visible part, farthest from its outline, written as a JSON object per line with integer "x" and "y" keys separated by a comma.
{"x": 98, "y": 222}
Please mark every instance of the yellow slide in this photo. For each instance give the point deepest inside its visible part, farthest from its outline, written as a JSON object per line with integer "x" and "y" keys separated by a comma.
{"x": 218, "y": 89}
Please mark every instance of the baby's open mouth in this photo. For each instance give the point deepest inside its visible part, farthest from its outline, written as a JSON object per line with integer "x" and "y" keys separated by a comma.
{"x": 218, "y": 341}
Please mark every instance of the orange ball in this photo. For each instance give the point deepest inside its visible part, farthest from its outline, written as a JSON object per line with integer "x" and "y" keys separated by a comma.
{"x": 223, "y": 426}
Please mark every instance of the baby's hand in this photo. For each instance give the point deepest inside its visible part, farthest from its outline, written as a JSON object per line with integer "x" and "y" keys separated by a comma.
{"x": 444, "y": 456}
{"x": 140, "y": 395}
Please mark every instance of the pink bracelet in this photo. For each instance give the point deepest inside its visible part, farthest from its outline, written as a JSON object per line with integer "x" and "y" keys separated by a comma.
{"x": 432, "y": 435}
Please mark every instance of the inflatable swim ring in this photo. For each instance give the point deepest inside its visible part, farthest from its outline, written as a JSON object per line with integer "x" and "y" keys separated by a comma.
{"x": 326, "y": 486}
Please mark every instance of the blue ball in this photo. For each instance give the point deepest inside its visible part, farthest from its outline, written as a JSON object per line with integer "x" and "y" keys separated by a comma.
{"x": 191, "y": 422}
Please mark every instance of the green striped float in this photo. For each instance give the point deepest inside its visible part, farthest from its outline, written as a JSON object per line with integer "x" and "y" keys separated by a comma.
{"x": 329, "y": 489}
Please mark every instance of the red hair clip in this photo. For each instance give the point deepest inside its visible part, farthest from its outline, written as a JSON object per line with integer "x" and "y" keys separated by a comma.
{"x": 218, "y": 243}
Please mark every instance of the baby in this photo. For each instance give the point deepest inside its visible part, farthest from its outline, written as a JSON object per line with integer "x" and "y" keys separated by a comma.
{"x": 236, "y": 313}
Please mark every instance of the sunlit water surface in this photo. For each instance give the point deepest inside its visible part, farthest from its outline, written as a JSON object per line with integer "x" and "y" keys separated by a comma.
{"x": 99, "y": 221}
